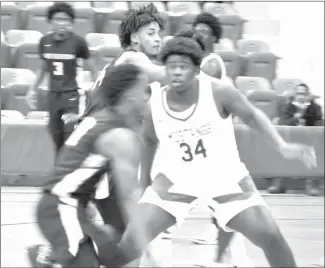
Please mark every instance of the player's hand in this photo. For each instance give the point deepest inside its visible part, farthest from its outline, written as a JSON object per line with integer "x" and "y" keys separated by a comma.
{"x": 70, "y": 118}
{"x": 31, "y": 98}
{"x": 302, "y": 152}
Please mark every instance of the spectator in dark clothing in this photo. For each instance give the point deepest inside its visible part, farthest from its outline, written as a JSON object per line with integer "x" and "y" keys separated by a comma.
{"x": 300, "y": 110}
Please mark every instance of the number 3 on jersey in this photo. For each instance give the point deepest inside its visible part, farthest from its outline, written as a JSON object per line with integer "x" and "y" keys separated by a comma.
{"x": 58, "y": 68}
{"x": 199, "y": 149}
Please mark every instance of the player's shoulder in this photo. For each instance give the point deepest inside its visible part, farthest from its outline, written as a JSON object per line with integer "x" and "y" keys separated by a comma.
{"x": 221, "y": 89}
{"x": 76, "y": 39}
{"x": 47, "y": 37}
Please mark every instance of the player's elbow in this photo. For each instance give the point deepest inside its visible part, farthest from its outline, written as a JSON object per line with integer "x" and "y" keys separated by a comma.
{"x": 254, "y": 117}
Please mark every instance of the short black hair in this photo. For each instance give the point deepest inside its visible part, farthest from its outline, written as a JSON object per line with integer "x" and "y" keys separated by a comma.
{"x": 183, "y": 46}
{"x": 117, "y": 81}
{"x": 137, "y": 18}
{"x": 303, "y": 85}
{"x": 194, "y": 35}
{"x": 210, "y": 20}
{"x": 61, "y": 7}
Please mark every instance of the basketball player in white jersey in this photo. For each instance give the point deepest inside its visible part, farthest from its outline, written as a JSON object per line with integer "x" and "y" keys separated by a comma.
{"x": 191, "y": 120}
{"x": 211, "y": 64}
{"x": 209, "y": 27}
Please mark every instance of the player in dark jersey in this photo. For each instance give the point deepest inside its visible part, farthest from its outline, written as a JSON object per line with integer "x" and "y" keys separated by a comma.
{"x": 107, "y": 139}
{"x": 138, "y": 32}
{"x": 62, "y": 52}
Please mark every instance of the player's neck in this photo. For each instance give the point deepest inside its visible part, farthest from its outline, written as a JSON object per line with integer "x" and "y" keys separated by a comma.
{"x": 189, "y": 95}
{"x": 59, "y": 37}
{"x": 209, "y": 50}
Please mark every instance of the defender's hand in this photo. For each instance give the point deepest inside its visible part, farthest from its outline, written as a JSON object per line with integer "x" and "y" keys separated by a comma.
{"x": 302, "y": 152}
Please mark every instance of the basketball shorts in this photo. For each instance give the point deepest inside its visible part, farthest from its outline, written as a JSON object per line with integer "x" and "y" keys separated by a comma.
{"x": 224, "y": 206}
{"x": 61, "y": 224}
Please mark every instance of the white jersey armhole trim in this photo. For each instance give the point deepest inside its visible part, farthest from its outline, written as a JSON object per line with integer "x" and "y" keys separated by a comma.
{"x": 219, "y": 59}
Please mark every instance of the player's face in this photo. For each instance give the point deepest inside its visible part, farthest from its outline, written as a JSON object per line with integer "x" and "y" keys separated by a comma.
{"x": 180, "y": 71}
{"x": 62, "y": 24}
{"x": 301, "y": 95}
{"x": 149, "y": 39}
{"x": 206, "y": 33}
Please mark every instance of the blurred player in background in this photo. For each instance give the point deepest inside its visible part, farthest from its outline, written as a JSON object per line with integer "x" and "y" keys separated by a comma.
{"x": 210, "y": 29}
{"x": 191, "y": 119}
{"x": 106, "y": 140}
{"x": 139, "y": 32}
{"x": 61, "y": 51}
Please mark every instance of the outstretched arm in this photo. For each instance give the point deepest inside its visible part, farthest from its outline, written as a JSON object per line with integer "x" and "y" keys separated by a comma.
{"x": 153, "y": 71}
{"x": 235, "y": 103}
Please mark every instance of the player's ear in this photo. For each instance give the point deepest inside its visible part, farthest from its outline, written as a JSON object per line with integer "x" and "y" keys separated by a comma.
{"x": 134, "y": 38}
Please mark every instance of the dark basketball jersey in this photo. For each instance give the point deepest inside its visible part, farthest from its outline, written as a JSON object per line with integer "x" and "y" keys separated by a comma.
{"x": 89, "y": 103}
{"x": 62, "y": 59}
{"x": 78, "y": 168}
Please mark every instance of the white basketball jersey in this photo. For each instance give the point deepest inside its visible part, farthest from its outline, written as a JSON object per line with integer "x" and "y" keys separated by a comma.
{"x": 221, "y": 63}
{"x": 197, "y": 147}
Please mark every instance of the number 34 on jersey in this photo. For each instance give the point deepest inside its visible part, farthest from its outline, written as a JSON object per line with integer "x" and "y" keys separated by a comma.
{"x": 191, "y": 152}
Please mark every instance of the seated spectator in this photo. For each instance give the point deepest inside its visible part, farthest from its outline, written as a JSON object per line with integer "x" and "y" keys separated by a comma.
{"x": 300, "y": 110}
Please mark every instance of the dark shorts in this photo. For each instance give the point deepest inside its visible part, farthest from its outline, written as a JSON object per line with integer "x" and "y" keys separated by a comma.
{"x": 60, "y": 103}
{"x": 62, "y": 226}
{"x": 110, "y": 210}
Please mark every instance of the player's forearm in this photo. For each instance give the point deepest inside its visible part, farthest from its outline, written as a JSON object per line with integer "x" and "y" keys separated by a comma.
{"x": 260, "y": 123}
{"x": 148, "y": 154}
{"x": 40, "y": 75}
{"x": 154, "y": 72}
{"x": 129, "y": 195}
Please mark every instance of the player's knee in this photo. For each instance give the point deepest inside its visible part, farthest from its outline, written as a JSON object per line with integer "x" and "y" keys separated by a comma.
{"x": 268, "y": 234}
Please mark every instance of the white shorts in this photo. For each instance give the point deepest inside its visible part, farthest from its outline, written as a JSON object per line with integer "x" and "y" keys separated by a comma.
{"x": 225, "y": 207}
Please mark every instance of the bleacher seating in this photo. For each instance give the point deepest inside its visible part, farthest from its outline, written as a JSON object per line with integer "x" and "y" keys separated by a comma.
{"x": 282, "y": 85}
{"x": 159, "y": 5}
{"x": 262, "y": 64}
{"x": 16, "y": 75}
{"x": 110, "y": 5}
{"x": 266, "y": 100}
{"x": 9, "y": 16}
{"x": 96, "y": 40}
{"x": 232, "y": 26}
{"x": 36, "y": 19}
{"x": 18, "y": 37}
{"x": 106, "y": 54}
{"x": 184, "y": 7}
{"x": 11, "y": 115}
{"x": 224, "y": 44}
{"x": 37, "y": 115}
{"x": 252, "y": 46}
{"x": 6, "y": 98}
{"x": 18, "y": 102}
{"x": 218, "y": 8}
{"x": 232, "y": 61}
{"x": 246, "y": 84}
{"x": 5, "y": 52}
{"x": 27, "y": 57}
